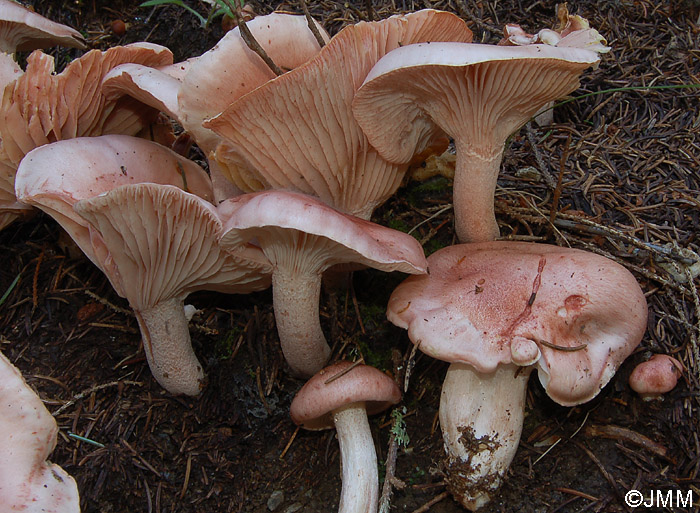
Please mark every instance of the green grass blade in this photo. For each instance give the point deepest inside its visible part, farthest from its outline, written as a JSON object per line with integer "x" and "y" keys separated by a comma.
{"x": 179, "y": 3}
{"x": 86, "y": 440}
{"x": 625, "y": 89}
{"x": 9, "y": 289}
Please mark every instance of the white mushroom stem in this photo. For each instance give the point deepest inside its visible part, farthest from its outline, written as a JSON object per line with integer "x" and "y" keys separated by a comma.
{"x": 473, "y": 194}
{"x": 295, "y": 298}
{"x": 166, "y": 341}
{"x": 360, "y": 493}
{"x": 481, "y": 417}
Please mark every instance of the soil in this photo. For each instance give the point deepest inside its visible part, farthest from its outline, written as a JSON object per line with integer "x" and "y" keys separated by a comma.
{"x": 626, "y": 164}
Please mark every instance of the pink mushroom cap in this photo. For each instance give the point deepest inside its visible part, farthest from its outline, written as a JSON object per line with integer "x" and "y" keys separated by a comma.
{"x": 297, "y": 131}
{"x": 313, "y": 406}
{"x": 495, "y": 303}
{"x": 656, "y": 376}
{"x": 28, "y": 434}
{"x": 203, "y": 86}
{"x": 302, "y": 237}
{"x": 22, "y": 29}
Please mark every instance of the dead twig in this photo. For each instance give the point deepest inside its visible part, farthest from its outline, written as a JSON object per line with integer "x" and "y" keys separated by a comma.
{"x": 543, "y": 168}
{"x": 441, "y": 211}
{"x": 109, "y": 305}
{"x": 250, "y": 40}
{"x": 89, "y": 391}
{"x": 464, "y": 11}
{"x": 312, "y": 24}
{"x": 556, "y": 195}
{"x": 35, "y": 291}
{"x": 561, "y": 348}
{"x": 289, "y": 444}
{"x": 343, "y": 372}
{"x": 357, "y": 309}
{"x": 585, "y": 225}
{"x": 576, "y": 493}
{"x": 410, "y": 364}
{"x": 370, "y": 10}
{"x": 593, "y": 228}
{"x": 432, "y": 502}
{"x": 390, "y": 480}
{"x": 620, "y": 433}
{"x": 141, "y": 458}
{"x": 186, "y": 482}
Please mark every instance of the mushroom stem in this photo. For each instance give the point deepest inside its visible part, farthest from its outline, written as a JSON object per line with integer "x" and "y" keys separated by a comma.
{"x": 166, "y": 341}
{"x": 481, "y": 417}
{"x": 473, "y": 194}
{"x": 295, "y": 298}
{"x": 360, "y": 492}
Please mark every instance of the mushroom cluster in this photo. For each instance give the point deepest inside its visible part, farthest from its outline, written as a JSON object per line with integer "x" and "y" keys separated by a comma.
{"x": 39, "y": 107}
{"x": 297, "y": 132}
{"x": 297, "y": 163}
{"x": 201, "y": 87}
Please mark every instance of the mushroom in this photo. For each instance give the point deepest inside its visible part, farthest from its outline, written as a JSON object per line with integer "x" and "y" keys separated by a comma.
{"x": 10, "y": 208}
{"x": 301, "y": 237}
{"x": 495, "y": 311}
{"x": 656, "y": 376}
{"x": 48, "y": 179}
{"x": 22, "y": 29}
{"x": 39, "y": 107}
{"x": 162, "y": 246}
{"x": 9, "y": 70}
{"x": 342, "y": 396}
{"x": 155, "y": 242}
{"x": 297, "y": 132}
{"x": 479, "y": 95}
{"x": 203, "y": 86}
{"x": 573, "y": 31}
{"x": 28, "y": 434}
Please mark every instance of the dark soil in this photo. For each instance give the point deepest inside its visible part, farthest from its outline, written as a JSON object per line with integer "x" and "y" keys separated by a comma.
{"x": 627, "y": 163}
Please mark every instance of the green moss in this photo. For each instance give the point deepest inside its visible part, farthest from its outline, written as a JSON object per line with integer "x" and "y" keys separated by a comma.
{"x": 430, "y": 188}
{"x": 224, "y": 346}
{"x": 434, "y": 184}
{"x": 398, "y": 427}
{"x": 374, "y": 356}
{"x": 398, "y": 224}
{"x": 417, "y": 475}
{"x": 372, "y": 313}
{"x": 433, "y": 245}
